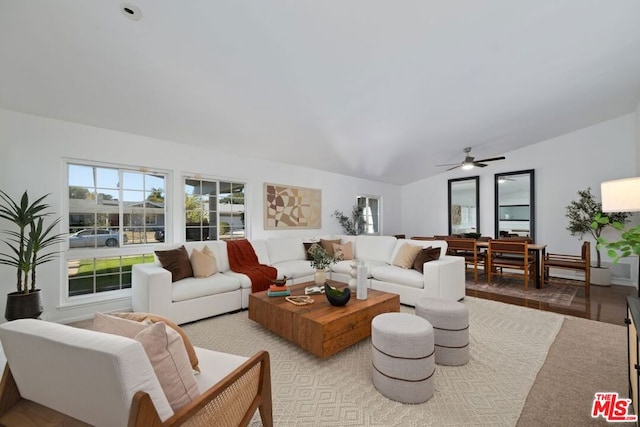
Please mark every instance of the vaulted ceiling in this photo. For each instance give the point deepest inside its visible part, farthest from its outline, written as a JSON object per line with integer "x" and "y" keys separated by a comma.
{"x": 377, "y": 89}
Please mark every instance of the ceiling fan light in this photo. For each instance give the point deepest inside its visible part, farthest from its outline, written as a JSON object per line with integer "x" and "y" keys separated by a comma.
{"x": 467, "y": 166}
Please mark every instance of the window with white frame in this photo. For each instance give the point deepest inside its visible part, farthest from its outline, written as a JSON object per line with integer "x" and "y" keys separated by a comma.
{"x": 214, "y": 209}
{"x": 114, "y": 213}
{"x": 370, "y": 213}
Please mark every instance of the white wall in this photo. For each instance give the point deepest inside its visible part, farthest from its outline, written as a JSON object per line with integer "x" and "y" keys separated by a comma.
{"x": 32, "y": 155}
{"x": 563, "y": 165}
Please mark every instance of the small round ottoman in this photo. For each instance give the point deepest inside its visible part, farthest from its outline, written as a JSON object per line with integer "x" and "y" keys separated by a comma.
{"x": 402, "y": 347}
{"x": 450, "y": 321}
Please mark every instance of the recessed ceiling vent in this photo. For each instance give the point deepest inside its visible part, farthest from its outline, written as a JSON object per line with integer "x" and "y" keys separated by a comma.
{"x": 131, "y": 11}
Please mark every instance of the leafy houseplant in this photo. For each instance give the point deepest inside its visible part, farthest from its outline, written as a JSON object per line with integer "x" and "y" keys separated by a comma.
{"x": 629, "y": 243}
{"x": 26, "y": 246}
{"x": 321, "y": 260}
{"x": 354, "y": 225}
{"x": 586, "y": 217}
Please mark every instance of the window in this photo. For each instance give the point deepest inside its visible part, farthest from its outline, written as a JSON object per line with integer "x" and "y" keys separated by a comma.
{"x": 214, "y": 210}
{"x": 113, "y": 213}
{"x": 371, "y": 213}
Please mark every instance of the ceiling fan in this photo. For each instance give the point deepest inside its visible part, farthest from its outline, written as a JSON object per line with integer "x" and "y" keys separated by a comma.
{"x": 470, "y": 163}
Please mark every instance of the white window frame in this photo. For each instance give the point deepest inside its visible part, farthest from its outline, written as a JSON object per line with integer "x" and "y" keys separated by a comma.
{"x": 87, "y": 253}
{"x": 217, "y": 180}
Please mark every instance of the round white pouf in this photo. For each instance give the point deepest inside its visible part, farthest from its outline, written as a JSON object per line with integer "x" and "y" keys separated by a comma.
{"x": 450, "y": 321}
{"x": 402, "y": 347}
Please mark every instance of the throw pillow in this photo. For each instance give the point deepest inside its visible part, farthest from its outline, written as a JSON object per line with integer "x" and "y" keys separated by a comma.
{"x": 203, "y": 262}
{"x": 343, "y": 251}
{"x": 156, "y": 318}
{"x": 327, "y": 245}
{"x": 170, "y": 362}
{"x": 177, "y": 262}
{"x": 165, "y": 350}
{"x": 406, "y": 255}
{"x": 425, "y": 255}
{"x": 308, "y": 245}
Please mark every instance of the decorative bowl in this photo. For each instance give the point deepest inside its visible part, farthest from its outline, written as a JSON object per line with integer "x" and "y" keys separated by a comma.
{"x": 337, "y": 297}
{"x": 279, "y": 282}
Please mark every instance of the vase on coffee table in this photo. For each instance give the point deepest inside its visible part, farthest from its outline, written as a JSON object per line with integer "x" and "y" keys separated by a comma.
{"x": 320, "y": 277}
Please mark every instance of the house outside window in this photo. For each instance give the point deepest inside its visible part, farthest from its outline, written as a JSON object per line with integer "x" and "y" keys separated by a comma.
{"x": 114, "y": 214}
{"x": 214, "y": 209}
{"x": 371, "y": 213}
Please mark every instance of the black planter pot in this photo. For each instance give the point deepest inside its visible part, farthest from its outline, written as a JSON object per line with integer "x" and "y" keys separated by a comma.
{"x": 23, "y": 306}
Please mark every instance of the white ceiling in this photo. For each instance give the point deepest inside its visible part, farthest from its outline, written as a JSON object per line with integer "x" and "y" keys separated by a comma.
{"x": 377, "y": 89}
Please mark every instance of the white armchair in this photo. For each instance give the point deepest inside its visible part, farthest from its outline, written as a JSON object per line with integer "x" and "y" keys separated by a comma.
{"x": 58, "y": 372}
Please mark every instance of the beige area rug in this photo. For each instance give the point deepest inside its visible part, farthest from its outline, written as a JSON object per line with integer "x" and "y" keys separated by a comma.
{"x": 508, "y": 346}
{"x": 587, "y": 357}
{"x": 554, "y": 293}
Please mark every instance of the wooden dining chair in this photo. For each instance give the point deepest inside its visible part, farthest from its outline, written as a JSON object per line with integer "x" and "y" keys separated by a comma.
{"x": 510, "y": 255}
{"x": 570, "y": 262}
{"x": 467, "y": 248}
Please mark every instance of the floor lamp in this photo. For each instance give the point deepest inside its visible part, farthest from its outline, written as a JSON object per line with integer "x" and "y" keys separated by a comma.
{"x": 622, "y": 195}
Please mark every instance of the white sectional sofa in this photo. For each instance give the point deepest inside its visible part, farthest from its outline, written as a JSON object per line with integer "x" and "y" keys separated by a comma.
{"x": 192, "y": 299}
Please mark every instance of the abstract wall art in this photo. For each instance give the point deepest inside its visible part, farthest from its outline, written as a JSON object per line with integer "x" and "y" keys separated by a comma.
{"x": 286, "y": 206}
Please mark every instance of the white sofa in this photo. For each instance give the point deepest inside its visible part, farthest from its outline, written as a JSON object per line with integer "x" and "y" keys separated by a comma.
{"x": 98, "y": 378}
{"x": 192, "y": 299}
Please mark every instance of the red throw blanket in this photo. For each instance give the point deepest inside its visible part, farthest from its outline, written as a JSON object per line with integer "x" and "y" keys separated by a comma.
{"x": 243, "y": 259}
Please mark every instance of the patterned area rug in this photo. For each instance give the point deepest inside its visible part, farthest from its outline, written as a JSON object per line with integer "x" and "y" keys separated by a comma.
{"x": 559, "y": 291}
{"x": 508, "y": 347}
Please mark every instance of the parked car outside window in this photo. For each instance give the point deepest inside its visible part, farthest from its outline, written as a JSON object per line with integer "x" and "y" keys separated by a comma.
{"x": 91, "y": 238}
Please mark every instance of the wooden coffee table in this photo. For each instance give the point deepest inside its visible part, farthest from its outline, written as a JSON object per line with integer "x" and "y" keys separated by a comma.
{"x": 321, "y": 328}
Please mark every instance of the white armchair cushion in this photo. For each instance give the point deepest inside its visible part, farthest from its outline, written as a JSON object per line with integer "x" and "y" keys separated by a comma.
{"x": 215, "y": 366}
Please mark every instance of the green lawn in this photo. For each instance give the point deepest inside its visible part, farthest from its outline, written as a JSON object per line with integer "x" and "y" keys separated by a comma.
{"x": 107, "y": 274}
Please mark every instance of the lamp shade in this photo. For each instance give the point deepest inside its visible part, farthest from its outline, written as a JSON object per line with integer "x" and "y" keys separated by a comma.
{"x": 621, "y": 195}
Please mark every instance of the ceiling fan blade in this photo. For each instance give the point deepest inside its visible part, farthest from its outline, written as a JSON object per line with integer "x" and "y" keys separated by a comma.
{"x": 480, "y": 165}
{"x": 492, "y": 159}
{"x": 455, "y": 167}
{"x": 450, "y": 164}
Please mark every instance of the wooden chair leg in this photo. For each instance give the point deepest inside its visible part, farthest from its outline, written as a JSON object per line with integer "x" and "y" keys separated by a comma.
{"x": 587, "y": 280}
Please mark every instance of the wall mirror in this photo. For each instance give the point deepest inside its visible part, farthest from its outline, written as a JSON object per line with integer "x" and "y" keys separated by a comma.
{"x": 464, "y": 205}
{"x": 515, "y": 204}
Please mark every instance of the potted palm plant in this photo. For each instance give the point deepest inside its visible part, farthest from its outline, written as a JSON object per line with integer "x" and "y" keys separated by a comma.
{"x": 586, "y": 217}
{"x": 28, "y": 246}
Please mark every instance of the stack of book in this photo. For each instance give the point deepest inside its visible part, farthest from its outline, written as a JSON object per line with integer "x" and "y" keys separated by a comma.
{"x": 278, "y": 291}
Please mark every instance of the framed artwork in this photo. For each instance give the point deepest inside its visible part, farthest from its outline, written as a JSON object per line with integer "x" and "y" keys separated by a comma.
{"x": 286, "y": 206}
